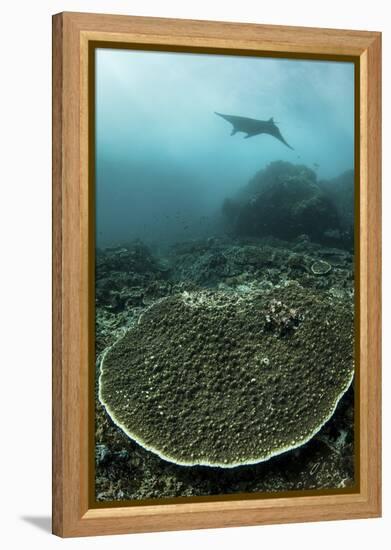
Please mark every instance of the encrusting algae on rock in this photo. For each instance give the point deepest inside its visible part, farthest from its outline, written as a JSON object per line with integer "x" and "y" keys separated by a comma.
{"x": 221, "y": 378}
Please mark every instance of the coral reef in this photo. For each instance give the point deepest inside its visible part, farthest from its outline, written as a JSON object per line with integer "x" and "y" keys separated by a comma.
{"x": 341, "y": 192}
{"x": 286, "y": 200}
{"x": 126, "y": 274}
{"x": 320, "y": 267}
{"x": 223, "y": 378}
{"x": 232, "y": 263}
{"x": 125, "y": 470}
{"x": 132, "y": 280}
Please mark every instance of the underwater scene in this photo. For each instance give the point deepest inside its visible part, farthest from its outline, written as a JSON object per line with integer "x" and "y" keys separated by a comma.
{"x": 224, "y": 275}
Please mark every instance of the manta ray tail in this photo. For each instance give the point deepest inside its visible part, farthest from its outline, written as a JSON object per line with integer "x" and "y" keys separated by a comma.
{"x": 285, "y": 143}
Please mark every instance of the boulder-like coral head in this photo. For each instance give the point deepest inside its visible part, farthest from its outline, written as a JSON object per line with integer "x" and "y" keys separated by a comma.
{"x": 222, "y": 379}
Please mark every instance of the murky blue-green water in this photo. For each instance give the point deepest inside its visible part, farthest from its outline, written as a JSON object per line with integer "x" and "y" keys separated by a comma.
{"x": 166, "y": 162}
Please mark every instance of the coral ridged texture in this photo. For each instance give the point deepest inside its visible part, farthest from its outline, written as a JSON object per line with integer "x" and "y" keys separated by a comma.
{"x": 221, "y": 378}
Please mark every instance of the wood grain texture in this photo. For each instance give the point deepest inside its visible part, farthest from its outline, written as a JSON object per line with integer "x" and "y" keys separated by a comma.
{"x": 72, "y": 33}
{"x": 57, "y": 462}
{"x": 219, "y": 34}
{"x": 371, "y": 258}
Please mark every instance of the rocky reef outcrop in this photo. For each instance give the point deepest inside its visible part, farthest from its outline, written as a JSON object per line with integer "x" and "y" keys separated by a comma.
{"x": 127, "y": 278}
{"x": 260, "y": 263}
{"x": 286, "y": 200}
{"x": 341, "y": 192}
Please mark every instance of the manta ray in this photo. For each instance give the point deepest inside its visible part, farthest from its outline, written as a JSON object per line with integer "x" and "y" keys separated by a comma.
{"x": 252, "y": 127}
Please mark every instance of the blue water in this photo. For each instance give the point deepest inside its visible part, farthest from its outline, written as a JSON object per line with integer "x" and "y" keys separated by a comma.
{"x": 165, "y": 162}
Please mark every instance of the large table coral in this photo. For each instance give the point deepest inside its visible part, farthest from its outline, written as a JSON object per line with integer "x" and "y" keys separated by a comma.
{"x": 223, "y": 378}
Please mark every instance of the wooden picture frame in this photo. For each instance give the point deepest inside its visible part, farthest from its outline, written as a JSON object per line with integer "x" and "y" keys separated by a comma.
{"x": 73, "y": 321}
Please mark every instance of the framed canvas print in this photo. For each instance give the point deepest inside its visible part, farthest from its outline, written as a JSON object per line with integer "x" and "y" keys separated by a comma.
{"x": 216, "y": 274}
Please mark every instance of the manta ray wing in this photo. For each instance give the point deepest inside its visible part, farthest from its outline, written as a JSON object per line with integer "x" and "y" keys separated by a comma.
{"x": 242, "y": 124}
